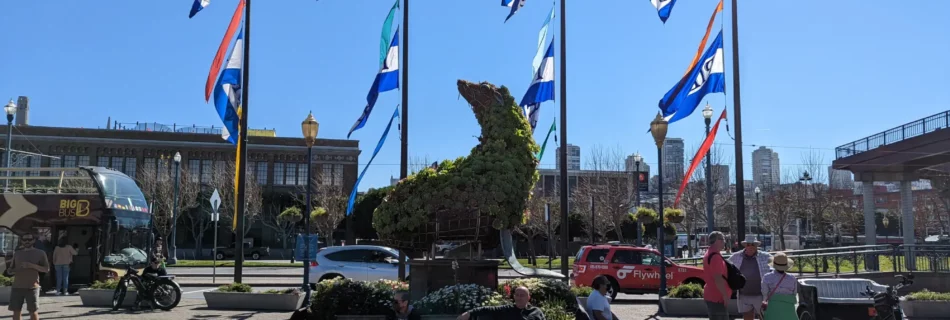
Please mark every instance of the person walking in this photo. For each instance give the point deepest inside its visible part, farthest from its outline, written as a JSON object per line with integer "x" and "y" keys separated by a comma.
{"x": 753, "y": 264}
{"x": 62, "y": 259}
{"x": 28, "y": 263}
{"x": 780, "y": 290}
{"x": 598, "y": 306}
{"x": 716, "y": 292}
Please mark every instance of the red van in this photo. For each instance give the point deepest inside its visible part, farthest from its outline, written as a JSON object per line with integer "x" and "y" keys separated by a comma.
{"x": 630, "y": 269}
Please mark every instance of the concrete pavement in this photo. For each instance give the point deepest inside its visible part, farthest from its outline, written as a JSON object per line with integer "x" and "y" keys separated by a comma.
{"x": 192, "y": 306}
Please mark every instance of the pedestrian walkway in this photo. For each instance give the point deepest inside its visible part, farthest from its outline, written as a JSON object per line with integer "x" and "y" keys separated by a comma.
{"x": 70, "y": 307}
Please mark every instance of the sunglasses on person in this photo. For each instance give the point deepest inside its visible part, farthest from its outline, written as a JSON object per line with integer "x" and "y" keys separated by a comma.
{"x": 27, "y": 239}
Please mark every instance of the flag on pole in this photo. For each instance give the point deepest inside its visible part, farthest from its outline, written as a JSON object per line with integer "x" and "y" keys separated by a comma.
{"x": 515, "y": 5}
{"x": 545, "y": 144}
{"x": 541, "y": 88}
{"x": 387, "y": 79}
{"x": 702, "y": 44}
{"x": 387, "y": 30}
{"x": 197, "y": 6}
{"x": 507, "y": 3}
{"x": 542, "y": 35}
{"x": 219, "y": 55}
{"x": 663, "y": 8}
{"x": 379, "y": 145}
{"x": 698, "y": 158}
{"x": 227, "y": 92}
{"x": 708, "y": 76}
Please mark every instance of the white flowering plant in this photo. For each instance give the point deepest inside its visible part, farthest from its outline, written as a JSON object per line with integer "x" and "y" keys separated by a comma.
{"x": 459, "y": 298}
{"x": 542, "y": 290}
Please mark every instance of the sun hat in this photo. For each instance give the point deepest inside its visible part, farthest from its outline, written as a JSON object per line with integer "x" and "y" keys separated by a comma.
{"x": 781, "y": 262}
{"x": 750, "y": 240}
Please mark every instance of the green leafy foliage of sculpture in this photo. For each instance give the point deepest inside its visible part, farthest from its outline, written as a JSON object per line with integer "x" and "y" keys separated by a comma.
{"x": 493, "y": 181}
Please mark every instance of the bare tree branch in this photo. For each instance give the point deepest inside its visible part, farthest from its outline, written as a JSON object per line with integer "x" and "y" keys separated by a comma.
{"x": 223, "y": 180}
{"x": 159, "y": 186}
{"x": 610, "y": 188}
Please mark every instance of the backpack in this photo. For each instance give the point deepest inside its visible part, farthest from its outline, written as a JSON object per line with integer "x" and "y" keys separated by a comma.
{"x": 734, "y": 278}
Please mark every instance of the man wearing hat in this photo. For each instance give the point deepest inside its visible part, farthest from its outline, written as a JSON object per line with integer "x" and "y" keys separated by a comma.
{"x": 754, "y": 265}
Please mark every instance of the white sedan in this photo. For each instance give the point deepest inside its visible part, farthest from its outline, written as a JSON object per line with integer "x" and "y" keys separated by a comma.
{"x": 359, "y": 262}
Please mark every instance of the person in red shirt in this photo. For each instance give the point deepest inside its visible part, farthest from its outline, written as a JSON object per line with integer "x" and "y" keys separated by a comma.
{"x": 716, "y": 292}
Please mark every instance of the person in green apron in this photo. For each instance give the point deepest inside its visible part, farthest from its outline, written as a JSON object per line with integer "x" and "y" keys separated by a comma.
{"x": 780, "y": 290}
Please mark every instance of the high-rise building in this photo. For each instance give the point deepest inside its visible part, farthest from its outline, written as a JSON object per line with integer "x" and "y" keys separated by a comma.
{"x": 765, "y": 168}
{"x": 839, "y": 179}
{"x": 673, "y": 162}
{"x": 573, "y": 157}
{"x": 631, "y": 165}
{"x": 720, "y": 177}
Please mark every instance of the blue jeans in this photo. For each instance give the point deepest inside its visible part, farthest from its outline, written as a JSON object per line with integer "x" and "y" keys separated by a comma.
{"x": 62, "y": 278}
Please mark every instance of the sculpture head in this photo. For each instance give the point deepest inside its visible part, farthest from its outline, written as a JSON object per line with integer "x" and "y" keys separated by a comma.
{"x": 495, "y": 109}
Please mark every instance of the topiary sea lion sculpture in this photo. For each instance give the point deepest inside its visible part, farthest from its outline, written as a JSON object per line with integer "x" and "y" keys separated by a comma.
{"x": 479, "y": 197}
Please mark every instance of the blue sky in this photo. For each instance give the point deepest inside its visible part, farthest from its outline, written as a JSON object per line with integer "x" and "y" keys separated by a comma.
{"x": 815, "y": 74}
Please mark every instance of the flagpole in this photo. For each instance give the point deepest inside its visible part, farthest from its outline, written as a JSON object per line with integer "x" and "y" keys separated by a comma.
{"x": 563, "y": 152}
{"x": 242, "y": 148}
{"x": 737, "y": 117}
{"x": 404, "y": 117}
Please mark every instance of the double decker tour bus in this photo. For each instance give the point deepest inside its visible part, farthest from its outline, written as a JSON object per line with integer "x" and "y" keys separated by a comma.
{"x": 102, "y": 213}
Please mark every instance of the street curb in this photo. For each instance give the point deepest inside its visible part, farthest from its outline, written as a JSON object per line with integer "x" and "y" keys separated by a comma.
{"x": 208, "y": 284}
{"x": 246, "y": 275}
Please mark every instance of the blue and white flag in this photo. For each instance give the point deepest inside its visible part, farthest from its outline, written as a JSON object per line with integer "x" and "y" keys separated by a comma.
{"x": 197, "y": 6}
{"x": 227, "y": 92}
{"x": 707, "y": 76}
{"x": 542, "y": 35}
{"x": 663, "y": 8}
{"x": 541, "y": 88}
{"x": 379, "y": 145}
{"x": 515, "y": 5}
{"x": 387, "y": 79}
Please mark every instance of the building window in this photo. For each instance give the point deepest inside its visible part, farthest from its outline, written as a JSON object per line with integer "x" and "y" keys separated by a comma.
{"x": 220, "y": 166}
{"x": 260, "y": 172}
{"x": 70, "y": 161}
{"x": 326, "y": 178}
{"x": 118, "y": 164}
{"x": 35, "y": 162}
{"x": 194, "y": 170}
{"x": 290, "y": 177}
{"x": 103, "y": 161}
{"x": 56, "y": 162}
{"x": 278, "y": 173}
{"x": 83, "y": 161}
{"x": 130, "y": 167}
{"x": 337, "y": 174}
{"x": 302, "y": 174}
{"x": 151, "y": 164}
{"x": 206, "y": 171}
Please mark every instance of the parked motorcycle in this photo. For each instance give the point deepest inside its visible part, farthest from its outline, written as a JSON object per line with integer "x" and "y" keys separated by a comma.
{"x": 887, "y": 303}
{"x": 159, "y": 291}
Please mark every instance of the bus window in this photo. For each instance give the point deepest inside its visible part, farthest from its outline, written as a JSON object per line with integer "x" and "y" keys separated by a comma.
{"x": 122, "y": 193}
{"x": 131, "y": 236}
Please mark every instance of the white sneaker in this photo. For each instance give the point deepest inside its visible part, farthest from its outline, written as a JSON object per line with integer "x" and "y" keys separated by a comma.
{"x": 59, "y": 293}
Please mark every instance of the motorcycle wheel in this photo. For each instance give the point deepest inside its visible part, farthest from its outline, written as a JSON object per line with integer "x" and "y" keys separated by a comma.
{"x": 166, "y": 294}
{"x": 119, "y": 296}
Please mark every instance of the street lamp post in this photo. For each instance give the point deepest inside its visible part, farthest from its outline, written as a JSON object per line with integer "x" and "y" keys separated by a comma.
{"x": 758, "y": 213}
{"x": 636, "y": 160}
{"x": 710, "y": 217}
{"x": 658, "y": 128}
{"x": 806, "y": 179}
{"x": 10, "y": 109}
{"x": 173, "y": 246}
{"x": 310, "y": 127}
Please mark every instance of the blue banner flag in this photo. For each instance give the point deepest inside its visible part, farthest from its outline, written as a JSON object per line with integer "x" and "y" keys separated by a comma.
{"x": 515, "y": 5}
{"x": 663, "y": 8}
{"x": 387, "y": 30}
{"x": 227, "y": 92}
{"x": 542, "y": 35}
{"x": 387, "y": 79}
{"x": 541, "y": 89}
{"x": 707, "y": 77}
{"x": 379, "y": 145}
{"x": 197, "y": 6}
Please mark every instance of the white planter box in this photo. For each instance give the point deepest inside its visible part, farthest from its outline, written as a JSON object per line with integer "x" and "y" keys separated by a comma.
{"x": 103, "y": 298}
{"x": 925, "y": 309}
{"x": 4, "y": 295}
{"x": 691, "y": 307}
{"x": 253, "y": 301}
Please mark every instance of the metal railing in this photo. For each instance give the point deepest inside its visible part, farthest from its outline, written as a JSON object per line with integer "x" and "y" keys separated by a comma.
{"x": 862, "y": 259}
{"x": 46, "y": 180}
{"x": 896, "y": 134}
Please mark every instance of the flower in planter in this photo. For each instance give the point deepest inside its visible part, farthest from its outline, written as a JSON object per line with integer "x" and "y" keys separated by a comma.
{"x": 542, "y": 290}
{"x": 686, "y": 291}
{"x": 673, "y": 215}
{"x": 457, "y": 299}
{"x": 348, "y": 297}
{"x": 5, "y": 281}
{"x": 645, "y": 215}
{"x": 236, "y": 287}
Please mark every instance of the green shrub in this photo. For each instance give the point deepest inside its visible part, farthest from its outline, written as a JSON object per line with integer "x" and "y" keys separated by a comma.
{"x": 5, "y": 281}
{"x": 556, "y": 310}
{"x": 927, "y": 295}
{"x": 458, "y": 299}
{"x": 542, "y": 290}
{"x": 347, "y": 297}
{"x": 236, "y": 287}
{"x": 107, "y": 285}
{"x": 582, "y": 291}
{"x": 283, "y": 291}
{"x": 686, "y": 291}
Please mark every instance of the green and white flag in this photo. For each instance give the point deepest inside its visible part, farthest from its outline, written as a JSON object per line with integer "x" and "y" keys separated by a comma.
{"x": 545, "y": 144}
{"x": 387, "y": 33}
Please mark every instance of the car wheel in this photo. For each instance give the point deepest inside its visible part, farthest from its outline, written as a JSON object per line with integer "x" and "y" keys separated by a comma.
{"x": 330, "y": 277}
{"x": 219, "y": 256}
{"x": 256, "y": 256}
{"x": 613, "y": 289}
